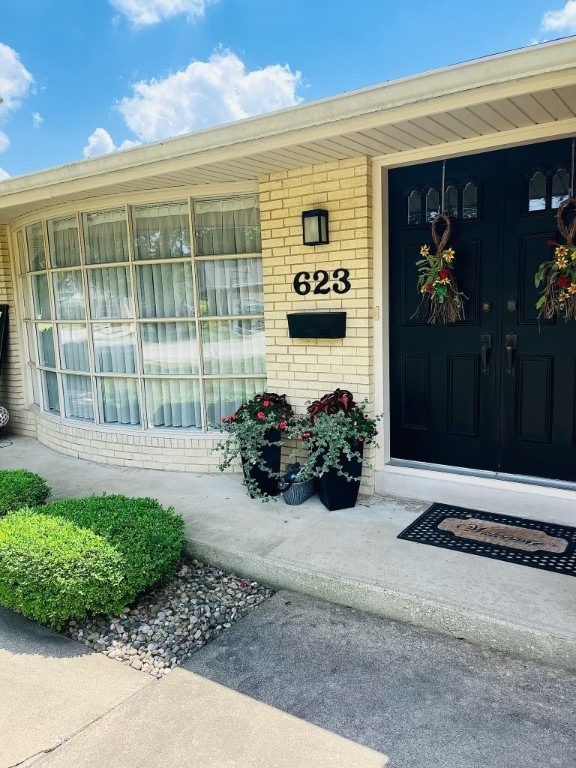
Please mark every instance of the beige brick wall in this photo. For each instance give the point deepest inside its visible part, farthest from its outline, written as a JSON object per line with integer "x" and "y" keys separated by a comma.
{"x": 148, "y": 451}
{"x": 11, "y": 382}
{"x": 305, "y": 369}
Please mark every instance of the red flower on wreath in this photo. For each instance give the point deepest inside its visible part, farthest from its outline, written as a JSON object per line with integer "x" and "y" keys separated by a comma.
{"x": 444, "y": 274}
{"x": 563, "y": 281}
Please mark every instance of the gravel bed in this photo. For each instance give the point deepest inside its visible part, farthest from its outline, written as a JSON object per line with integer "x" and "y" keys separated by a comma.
{"x": 169, "y": 623}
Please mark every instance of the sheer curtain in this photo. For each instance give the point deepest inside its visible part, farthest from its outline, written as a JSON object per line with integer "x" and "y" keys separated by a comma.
{"x": 165, "y": 290}
{"x": 74, "y": 346}
{"x": 119, "y": 399}
{"x": 234, "y": 346}
{"x": 228, "y": 225}
{"x": 173, "y": 403}
{"x": 35, "y": 245}
{"x": 231, "y": 287}
{"x": 224, "y": 396}
{"x": 105, "y": 236}
{"x": 162, "y": 231}
{"x": 78, "y": 402}
{"x": 110, "y": 293}
{"x": 169, "y": 348}
{"x": 114, "y": 347}
{"x": 63, "y": 242}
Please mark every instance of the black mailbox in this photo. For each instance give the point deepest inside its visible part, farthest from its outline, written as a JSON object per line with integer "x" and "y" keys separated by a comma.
{"x": 317, "y": 325}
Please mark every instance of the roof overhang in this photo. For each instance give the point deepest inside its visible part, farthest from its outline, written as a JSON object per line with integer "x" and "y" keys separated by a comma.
{"x": 526, "y": 93}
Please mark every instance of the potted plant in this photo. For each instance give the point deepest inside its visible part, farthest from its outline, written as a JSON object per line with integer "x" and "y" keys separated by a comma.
{"x": 254, "y": 435}
{"x": 335, "y": 429}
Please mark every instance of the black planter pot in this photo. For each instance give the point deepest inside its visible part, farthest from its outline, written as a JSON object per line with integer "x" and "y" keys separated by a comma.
{"x": 271, "y": 460}
{"x": 335, "y": 491}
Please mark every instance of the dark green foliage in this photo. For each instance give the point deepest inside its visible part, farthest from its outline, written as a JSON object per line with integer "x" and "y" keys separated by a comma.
{"x": 51, "y": 570}
{"x": 149, "y": 538}
{"x": 20, "y": 488}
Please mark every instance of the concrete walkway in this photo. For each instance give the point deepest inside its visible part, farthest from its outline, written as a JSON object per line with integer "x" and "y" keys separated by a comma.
{"x": 62, "y": 706}
{"x": 351, "y": 557}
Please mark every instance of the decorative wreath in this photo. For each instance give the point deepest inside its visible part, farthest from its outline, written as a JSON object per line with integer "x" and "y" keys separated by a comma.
{"x": 558, "y": 275}
{"x": 441, "y": 297}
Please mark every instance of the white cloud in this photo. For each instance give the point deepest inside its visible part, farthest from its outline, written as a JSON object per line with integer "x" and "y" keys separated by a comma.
{"x": 142, "y": 13}
{"x": 207, "y": 93}
{"x": 562, "y": 20}
{"x": 4, "y": 174}
{"x": 37, "y": 119}
{"x": 15, "y": 80}
{"x": 101, "y": 143}
{"x": 15, "y": 84}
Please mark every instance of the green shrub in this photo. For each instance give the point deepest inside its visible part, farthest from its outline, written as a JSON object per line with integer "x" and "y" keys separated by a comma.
{"x": 149, "y": 538}
{"x": 51, "y": 570}
{"x": 20, "y": 488}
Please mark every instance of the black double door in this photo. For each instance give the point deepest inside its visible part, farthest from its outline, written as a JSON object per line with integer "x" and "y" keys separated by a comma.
{"x": 495, "y": 391}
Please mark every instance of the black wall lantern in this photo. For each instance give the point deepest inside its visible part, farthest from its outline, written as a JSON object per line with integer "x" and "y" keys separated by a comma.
{"x": 315, "y": 227}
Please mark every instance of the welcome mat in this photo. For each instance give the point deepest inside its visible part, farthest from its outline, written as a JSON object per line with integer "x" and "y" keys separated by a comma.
{"x": 513, "y": 539}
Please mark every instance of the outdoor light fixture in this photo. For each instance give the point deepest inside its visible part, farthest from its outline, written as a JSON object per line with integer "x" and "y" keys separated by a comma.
{"x": 315, "y": 227}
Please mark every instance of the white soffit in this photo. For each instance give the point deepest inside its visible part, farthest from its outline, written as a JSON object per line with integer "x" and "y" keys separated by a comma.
{"x": 501, "y": 96}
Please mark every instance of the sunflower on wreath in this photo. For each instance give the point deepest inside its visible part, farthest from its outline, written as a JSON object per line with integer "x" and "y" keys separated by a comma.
{"x": 558, "y": 274}
{"x": 443, "y": 300}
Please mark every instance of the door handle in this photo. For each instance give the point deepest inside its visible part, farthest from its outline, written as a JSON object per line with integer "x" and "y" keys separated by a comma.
{"x": 485, "y": 345}
{"x": 511, "y": 345}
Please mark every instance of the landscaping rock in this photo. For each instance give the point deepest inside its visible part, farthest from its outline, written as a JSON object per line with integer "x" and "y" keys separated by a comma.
{"x": 168, "y": 624}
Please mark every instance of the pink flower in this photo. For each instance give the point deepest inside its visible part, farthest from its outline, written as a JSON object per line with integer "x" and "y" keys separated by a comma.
{"x": 360, "y": 439}
{"x": 260, "y": 414}
{"x": 223, "y": 419}
{"x": 282, "y": 425}
{"x": 233, "y": 417}
{"x": 266, "y": 403}
{"x": 305, "y": 435}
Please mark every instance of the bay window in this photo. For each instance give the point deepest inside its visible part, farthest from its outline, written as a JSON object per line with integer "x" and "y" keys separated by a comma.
{"x": 146, "y": 317}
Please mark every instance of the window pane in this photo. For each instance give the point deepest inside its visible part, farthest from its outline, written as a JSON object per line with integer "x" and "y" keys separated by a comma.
{"x": 162, "y": 231}
{"x": 63, "y": 242}
{"x": 537, "y": 192}
{"x": 69, "y": 295}
{"x": 115, "y": 347}
{"x": 432, "y": 204}
{"x": 169, "y": 348}
{"x": 224, "y": 396}
{"x": 560, "y": 187}
{"x": 35, "y": 243}
{"x": 414, "y": 207}
{"x": 35, "y": 386}
{"x": 50, "y": 391}
{"x": 74, "y": 347}
{"x": 165, "y": 290}
{"x": 105, "y": 236}
{"x": 470, "y": 201}
{"x": 225, "y": 226}
{"x": 110, "y": 293}
{"x": 119, "y": 401}
{"x": 234, "y": 346}
{"x": 451, "y": 202}
{"x": 231, "y": 287}
{"x": 46, "y": 345}
{"x": 173, "y": 403}
{"x": 31, "y": 331}
{"x": 78, "y": 402}
{"x": 41, "y": 297}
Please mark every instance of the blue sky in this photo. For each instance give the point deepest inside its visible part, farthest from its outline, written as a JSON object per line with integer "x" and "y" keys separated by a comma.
{"x": 84, "y": 77}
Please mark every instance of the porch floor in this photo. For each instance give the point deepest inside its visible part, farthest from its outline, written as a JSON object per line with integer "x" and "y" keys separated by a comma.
{"x": 351, "y": 557}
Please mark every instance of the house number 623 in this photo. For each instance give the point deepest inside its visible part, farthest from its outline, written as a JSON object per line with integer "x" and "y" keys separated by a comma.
{"x": 302, "y": 284}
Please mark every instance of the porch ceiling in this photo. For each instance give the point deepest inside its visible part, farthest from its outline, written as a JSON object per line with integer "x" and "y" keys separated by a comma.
{"x": 505, "y": 97}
